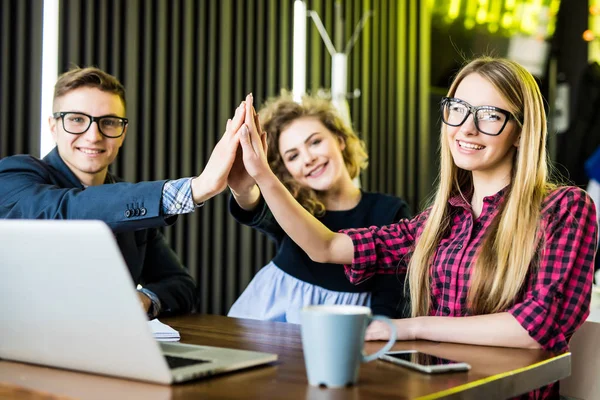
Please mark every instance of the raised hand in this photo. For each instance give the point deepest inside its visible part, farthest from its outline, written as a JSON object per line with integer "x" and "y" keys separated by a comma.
{"x": 239, "y": 181}
{"x": 242, "y": 185}
{"x": 213, "y": 180}
{"x": 254, "y": 144}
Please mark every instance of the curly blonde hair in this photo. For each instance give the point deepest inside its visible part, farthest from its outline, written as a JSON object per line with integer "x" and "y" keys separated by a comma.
{"x": 277, "y": 113}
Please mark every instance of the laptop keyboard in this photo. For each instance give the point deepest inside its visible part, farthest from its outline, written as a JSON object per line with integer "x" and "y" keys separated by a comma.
{"x": 178, "y": 362}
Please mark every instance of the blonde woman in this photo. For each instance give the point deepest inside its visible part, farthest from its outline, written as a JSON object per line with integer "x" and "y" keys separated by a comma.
{"x": 502, "y": 257}
{"x": 316, "y": 155}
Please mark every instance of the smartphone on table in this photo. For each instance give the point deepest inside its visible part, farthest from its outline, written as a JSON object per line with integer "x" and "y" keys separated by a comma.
{"x": 424, "y": 362}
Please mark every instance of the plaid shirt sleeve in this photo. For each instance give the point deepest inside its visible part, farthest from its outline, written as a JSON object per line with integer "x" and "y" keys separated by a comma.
{"x": 557, "y": 299}
{"x": 383, "y": 249}
{"x": 177, "y": 197}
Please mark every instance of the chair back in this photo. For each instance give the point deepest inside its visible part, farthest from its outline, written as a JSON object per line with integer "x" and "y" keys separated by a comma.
{"x": 584, "y": 382}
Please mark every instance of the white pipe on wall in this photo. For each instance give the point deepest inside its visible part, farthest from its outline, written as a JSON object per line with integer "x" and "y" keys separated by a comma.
{"x": 339, "y": 84}
{"x": 299, "y": 51}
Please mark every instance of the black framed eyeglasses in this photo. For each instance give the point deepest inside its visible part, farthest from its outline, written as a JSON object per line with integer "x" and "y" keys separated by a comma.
{"x": 77, "y": 123}
{"x": 489, "y": 120}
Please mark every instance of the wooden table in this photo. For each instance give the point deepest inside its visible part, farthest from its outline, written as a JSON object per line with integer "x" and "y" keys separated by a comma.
{"x": 497, "y": 373}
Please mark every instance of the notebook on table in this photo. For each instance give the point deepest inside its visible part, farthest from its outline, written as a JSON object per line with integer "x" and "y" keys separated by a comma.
{"x": 68, "y": 301}
{"x": 163, "y": 332}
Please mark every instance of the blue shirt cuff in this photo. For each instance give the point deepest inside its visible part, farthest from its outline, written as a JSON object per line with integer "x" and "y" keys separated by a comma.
{"x": 177, "y": 197}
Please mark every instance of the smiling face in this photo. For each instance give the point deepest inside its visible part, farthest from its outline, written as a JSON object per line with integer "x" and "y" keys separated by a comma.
{"x": 88, "y": 154}
{"x": 313, "y": 155}
{"x": 490, "y": 156}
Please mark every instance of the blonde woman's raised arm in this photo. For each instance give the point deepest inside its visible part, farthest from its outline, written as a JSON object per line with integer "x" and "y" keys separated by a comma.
{"x": 320, "y": 243}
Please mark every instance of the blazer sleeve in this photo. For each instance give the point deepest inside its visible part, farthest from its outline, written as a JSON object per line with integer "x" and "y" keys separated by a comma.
{"x": 30, "y": 189}
{"x": 166, "y": 277}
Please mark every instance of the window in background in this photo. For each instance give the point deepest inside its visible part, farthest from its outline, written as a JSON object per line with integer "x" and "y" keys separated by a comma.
{"x": 516, "y": 29}
{"x": 592, "y": 34}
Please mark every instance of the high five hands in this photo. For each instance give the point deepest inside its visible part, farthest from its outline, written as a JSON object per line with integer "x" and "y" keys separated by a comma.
{"x": 241, "y": 182}
{"x": 233, "y": 165}
{"x": 253, "y": 143}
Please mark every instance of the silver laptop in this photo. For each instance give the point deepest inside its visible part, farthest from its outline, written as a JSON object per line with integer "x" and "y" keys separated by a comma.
{"x": 67, "y": 300}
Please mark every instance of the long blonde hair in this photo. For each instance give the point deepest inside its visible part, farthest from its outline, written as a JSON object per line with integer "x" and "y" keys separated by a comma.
{"x": 279, "y": 112}
{"x": 510, "y": 246}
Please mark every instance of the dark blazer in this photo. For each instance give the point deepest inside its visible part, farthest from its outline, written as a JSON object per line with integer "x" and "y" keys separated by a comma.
{"x": 31, "y": 188}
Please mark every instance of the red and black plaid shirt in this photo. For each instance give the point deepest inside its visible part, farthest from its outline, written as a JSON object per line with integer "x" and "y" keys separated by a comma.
{"x": 557, "y": 296}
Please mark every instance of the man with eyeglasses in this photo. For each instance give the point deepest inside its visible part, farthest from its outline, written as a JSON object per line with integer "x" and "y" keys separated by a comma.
{"x": 89, "y": 126}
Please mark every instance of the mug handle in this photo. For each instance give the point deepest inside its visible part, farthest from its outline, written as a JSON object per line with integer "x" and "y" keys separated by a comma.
{"x": 388, "y": 345}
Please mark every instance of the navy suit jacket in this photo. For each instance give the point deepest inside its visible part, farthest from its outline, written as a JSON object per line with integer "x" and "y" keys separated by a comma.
{"x": 31, "y": 188}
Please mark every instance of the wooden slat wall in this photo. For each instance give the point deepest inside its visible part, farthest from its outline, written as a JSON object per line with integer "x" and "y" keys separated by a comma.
{"x": 20, "y": 76}
{"x": 187, "y": 64}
